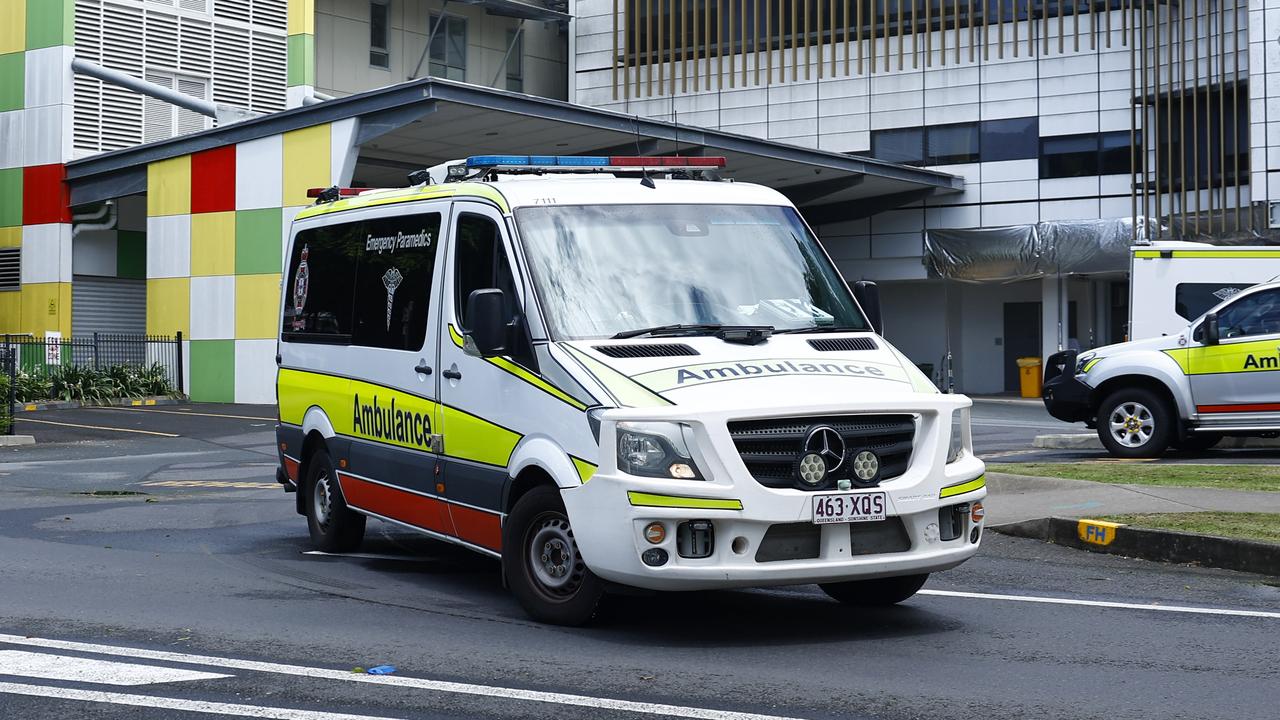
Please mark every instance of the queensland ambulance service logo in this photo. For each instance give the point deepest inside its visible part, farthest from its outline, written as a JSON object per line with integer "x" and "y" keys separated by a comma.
{"x": 391, "y": 280}
{"x": 301, "y": 283}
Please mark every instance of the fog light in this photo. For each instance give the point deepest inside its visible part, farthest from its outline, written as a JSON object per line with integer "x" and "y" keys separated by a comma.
{"x": 682, "y": 471}
{"x": 973, "y": 536}
{"x": 655, "y": 532}
{"x": 977, "y": 513}
{"x": 654, "y": 557}
{"x": 931, "y": 532}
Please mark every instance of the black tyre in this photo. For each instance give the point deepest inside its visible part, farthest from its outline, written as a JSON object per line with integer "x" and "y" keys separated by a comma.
{"x": 875, "y": 593}
{"x": 1135, "y": 423}
{"x": 1199, "y": 442}
{"x": 334, "y": 527}
{"x": 542, "y": 564}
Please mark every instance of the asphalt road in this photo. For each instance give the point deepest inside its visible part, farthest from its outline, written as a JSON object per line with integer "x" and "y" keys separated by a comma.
{"x": 208, "y": 573}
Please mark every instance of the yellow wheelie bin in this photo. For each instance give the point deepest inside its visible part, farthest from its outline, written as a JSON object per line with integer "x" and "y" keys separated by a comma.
{"x": 1030, "y": 377}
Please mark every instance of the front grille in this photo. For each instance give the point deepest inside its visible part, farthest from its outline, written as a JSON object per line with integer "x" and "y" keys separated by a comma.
{"x": 842, "y": 344}
{"x": 803, "y": 541}
{"x": 771, "y": 449}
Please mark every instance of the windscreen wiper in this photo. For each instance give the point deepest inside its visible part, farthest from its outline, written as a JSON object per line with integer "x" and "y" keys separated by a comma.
{"x": 750, "y": 334}
{"x": 818, "y": 329}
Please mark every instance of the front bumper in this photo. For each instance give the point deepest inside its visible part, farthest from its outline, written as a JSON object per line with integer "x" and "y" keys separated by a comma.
{"x": 1065, "y": 396}
{"x": 610, "y": 512}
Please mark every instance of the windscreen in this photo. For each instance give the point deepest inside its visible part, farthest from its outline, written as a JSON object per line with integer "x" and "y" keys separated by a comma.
{"x": 607, "y": 269}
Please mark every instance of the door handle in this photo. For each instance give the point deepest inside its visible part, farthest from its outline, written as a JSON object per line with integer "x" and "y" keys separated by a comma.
{"x": 422, "y": 368}
{"x": 452, "y": 374}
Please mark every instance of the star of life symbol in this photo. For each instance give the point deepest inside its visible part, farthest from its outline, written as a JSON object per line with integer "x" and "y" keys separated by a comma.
{"x": 391, "y": 280}
{"x": 301, "y": 283}
{"x": 1226, "y": 292}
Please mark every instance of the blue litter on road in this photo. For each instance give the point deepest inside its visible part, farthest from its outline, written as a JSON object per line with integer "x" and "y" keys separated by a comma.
{"x": 381, "y": 670}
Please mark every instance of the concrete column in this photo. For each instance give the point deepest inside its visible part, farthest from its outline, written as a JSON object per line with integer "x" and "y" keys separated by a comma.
{"x": 1053, "y": 315}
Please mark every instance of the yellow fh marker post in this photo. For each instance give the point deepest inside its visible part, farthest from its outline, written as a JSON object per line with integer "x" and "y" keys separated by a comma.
{"x": 1097, "y": 532}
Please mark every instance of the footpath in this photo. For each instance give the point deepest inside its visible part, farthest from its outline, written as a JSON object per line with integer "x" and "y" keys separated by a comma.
{"x": 1058, "y": 510}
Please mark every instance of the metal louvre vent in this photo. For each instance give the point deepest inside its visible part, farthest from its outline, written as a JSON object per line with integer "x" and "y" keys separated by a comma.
{"x": 10, "y": 268}
{"x": 771, "y": 449}
{"x": 842, "y": 344}
{"x": 643, "y": 351}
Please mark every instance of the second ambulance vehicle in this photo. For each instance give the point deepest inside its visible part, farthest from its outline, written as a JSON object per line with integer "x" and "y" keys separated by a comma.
{"x": 620, "y": 376}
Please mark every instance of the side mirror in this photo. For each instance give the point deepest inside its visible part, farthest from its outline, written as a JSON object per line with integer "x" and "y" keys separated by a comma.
{"x": 868, "y": 296}
{"x": 1211, "y": 335}
{"x": 488, "y": 334}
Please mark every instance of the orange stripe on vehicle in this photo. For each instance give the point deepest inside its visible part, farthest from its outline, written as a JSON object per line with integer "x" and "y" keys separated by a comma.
{"x": 477, "y": 526}
{"x": 1248, "y": 407}
{"x": 409, "y": 508}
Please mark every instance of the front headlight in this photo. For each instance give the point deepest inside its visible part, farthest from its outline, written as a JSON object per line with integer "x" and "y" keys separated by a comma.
{"x": 656, "y": 449}
{"x": 960, "y": 439}
{"x": 1083, "y": 361}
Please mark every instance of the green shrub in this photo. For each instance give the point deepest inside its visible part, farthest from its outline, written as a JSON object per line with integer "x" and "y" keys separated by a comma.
{"x": 34, "y": 386}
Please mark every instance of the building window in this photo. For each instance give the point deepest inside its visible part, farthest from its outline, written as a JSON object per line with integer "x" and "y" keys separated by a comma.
{"x": 1012, "y": 139}
{"x": 951, "y": 144}
{"x": 900, "y": 145}
{"x": 378, "y": 23}
{"x": 1210, "y": 138}
{"x": 515, "y": 61}
{"x": 10, "y": 268}
{"x": 449, "y": 47}
{"x": 1088, "y": 155}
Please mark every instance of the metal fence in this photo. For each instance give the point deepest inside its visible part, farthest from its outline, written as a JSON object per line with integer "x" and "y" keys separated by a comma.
{"x": 28, "y": 355}
{"x": 8, "y": 372}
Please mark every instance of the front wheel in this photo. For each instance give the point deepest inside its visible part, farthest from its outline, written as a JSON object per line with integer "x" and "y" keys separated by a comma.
{"x": 1135, "y": 423}
{"x": 542, "y": 564}
{"x": 875, "y": 593}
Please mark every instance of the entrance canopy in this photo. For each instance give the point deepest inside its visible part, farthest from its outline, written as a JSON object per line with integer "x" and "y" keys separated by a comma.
{"x": 425, "y": 122}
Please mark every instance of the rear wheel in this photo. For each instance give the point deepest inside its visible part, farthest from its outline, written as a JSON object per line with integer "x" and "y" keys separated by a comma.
{"x": 1135, "y": 423}
{"x": 542, "y": 564}
{"x": 334, "y": 527}
{"x": 875, "y": 593}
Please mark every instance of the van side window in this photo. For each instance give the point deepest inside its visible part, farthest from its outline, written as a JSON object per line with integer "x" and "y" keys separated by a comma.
{"x": 482, "y": 263}
{"x": 363, "y": 283}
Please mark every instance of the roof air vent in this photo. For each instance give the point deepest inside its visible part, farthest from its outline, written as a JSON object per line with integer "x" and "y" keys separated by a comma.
{"x": 842, "y": 344}
{"x": 643, "y": 351}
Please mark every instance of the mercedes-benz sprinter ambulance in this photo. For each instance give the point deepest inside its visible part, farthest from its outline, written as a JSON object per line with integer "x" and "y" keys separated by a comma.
{"x": 608, "y": 373}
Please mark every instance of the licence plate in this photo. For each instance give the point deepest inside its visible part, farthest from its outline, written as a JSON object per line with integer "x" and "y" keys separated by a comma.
{"x": 848, "y": 508}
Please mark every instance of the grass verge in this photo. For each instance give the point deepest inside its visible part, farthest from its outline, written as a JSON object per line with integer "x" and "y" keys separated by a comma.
{"x": 1264, "y": 527}
{"x": 1226, "y": 477}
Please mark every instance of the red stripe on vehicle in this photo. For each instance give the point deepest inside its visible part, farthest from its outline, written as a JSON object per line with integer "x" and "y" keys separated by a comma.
{"x": 409, "y": 508}
{"x": 291, "y": 469}
{"x": 1251, "y": 407}
{"x": 478, "y": 526}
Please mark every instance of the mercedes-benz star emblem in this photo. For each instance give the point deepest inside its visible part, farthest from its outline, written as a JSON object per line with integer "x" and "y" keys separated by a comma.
{"x": 866, "y": 465}
{"x": 823, "y": 453}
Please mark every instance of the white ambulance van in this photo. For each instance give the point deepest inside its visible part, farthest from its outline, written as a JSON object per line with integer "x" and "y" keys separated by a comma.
{"x": 612, "y": 373}
{"x": 1173, "y": 283}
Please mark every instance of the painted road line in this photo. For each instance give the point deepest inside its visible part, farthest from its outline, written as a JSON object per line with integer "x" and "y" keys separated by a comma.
{"x": 235, "y": 484}
{"x": 164, "y": 703}
{"x": 44, "y": 666}
{"x": 400, "y": 681}
{"x": 96, "y": 427}
{"x": 367, "y": 556}
{"x": 1105, "y": 604}
{"x": 186, "y": 412}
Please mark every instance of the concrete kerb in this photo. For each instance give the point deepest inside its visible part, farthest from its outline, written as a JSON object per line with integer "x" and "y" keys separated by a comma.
{"x": 1151, "y": 544}
{"x": 117, "y": 402}
{"x": 1090, "y": 441}
{"x": 16, "y": 440}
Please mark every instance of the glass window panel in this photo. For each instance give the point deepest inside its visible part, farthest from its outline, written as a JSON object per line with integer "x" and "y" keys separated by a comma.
{"x": 1012, "y": 139}
{"x": 378, "y": 25}
{"x": 1114, "y": 153}
{"x": 1069, "y": 156}
{"x": 393, "y": 280}
{"x": 902, "y": 145}
{"x": 950, "y": 144}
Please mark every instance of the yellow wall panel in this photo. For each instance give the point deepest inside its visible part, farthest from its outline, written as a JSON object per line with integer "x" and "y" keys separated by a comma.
{"x": 302, "y": 17}
{"x": 169, "y": 306}
{"x": 257, "y": 306}
{"x": 306, "y": 163}
{"x": 10, "y": 237}
{"x": 10, "y": 311}
{"x": 169, "y": 187}
{"x": 45, "y": 307}
{"x": 213, "y": 243}
{"x": 13, "y": 26}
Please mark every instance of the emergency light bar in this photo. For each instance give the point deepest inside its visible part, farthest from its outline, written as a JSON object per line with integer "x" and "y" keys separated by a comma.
{"x": 594, "y": 162}
{"x": 334, "y": 192}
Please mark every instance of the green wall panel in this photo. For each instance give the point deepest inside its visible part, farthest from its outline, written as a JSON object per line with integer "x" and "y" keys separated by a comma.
{"x": 50, "y": 23}
{"x": 258, "y": 234}
{"x": 213, "y": 371}
{"x": 12, "y": 81}
{"x": 10, "y": 197}
{"x": 302, "y": 60}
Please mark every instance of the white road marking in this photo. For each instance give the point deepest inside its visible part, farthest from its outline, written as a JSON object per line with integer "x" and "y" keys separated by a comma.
{"x": 97, "y": 427}
{"x": 493, "y": 691}
{"x": 102, "y": 672}
{"x": 195, "y": 706}
{"x": 1105, "y": 604}
{"x": 184, "y": 412}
